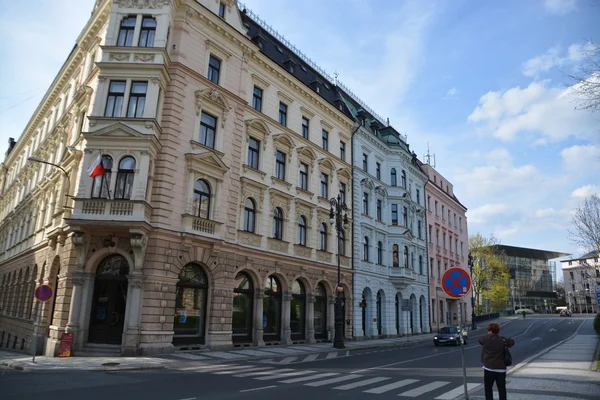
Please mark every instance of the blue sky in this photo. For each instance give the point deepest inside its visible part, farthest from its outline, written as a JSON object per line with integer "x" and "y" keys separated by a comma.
{"x": 481, "y": 81}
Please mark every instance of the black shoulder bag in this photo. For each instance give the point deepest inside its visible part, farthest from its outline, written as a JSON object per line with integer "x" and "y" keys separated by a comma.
{"x": 507, "y": 355}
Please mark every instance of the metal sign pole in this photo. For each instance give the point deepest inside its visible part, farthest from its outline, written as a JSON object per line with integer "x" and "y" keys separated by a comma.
{"x": 462, "y": 349}
{"x": 36, "y": 332}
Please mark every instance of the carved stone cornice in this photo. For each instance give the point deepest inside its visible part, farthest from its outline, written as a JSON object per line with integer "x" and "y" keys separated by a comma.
{"x": 151, "y": 4}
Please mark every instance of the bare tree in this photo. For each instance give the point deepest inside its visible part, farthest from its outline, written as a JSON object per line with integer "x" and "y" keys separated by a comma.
{"x": 586, "y": 222}
{"x": 585, "y": 81}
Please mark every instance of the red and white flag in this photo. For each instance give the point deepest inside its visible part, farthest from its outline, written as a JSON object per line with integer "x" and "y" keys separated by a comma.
{"x": 97, "y": 167}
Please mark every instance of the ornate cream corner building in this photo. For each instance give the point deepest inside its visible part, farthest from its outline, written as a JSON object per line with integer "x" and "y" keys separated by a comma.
{"x": 210, "y": 226}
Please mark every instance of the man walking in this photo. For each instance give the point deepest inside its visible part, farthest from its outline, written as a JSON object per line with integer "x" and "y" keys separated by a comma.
{"x": 492, "y": 357}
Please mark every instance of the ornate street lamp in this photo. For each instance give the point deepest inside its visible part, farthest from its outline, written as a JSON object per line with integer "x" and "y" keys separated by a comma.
{"x": 341, "y": 224}
{"x": 39, "y": 160}
{"x": 473, "y": 324}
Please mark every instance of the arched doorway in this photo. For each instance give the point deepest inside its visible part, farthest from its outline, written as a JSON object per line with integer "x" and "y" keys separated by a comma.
{"x": 320, "y": 319}
{"x": 379, "y": 314}
{"x": 243, "y": 309}
{"x": 397, "y": 309}
{"x": 298, "y": 311}
{"x": 272, "y": 310}
{"x": 108, "y": 301}
{"x": 189, "y": 324}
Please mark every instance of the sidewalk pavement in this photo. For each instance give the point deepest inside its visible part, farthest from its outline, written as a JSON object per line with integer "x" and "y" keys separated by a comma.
{"x": 24, "y": 362}
{"x": 566, "y": 372}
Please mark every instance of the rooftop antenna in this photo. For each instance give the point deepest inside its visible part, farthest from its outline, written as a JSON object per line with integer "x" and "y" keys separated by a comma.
{"x": 388, "y": 121}
{"x": 428, "y": 157}
{"x": 336, "y": 74}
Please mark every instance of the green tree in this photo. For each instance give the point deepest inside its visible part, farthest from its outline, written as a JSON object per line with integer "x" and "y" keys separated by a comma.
{"x": 490, "y": 275}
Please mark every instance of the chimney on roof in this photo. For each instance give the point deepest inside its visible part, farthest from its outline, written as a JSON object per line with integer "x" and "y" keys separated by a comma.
{"x": 388, "y": 121}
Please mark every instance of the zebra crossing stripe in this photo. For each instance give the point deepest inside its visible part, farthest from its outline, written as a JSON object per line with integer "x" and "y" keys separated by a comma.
{"x": 362, "y": 383}
{"x": 416, "y": 392}
{"x": 331, "y": 355}
{"x": 236, "y": 370}
{"x": 288, "y": 360}
{"x": 391, "y": 386}
{"x": 311, "y": 357}
{"x": 203, "y": 367}
{"x": 454, "y": 393}
{"x": 285, "y": 375}
{"x": 262, "y": 373}
{"x": 309, "y": 378}
{"x": 333, "y": 380}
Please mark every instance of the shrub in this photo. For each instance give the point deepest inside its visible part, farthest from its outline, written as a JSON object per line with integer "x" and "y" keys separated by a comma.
{"x": 597, "y": 323}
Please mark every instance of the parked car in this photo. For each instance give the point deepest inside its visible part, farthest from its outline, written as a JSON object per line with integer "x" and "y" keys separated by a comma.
{"x": 450, "y": 335}
{"x": 565, "y": 313}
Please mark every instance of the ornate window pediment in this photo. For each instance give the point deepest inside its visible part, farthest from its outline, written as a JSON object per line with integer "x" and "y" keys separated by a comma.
{"x": 368, "y": 183}
{"x": 280, "y": 199}
{"x": 206, "y": 162}
{"x": 284, "y": 141}
{"x": 345, "y": 174}
{"x": 307, "y": 155}
{"x": 327, "y": 165}
{"x": 258, "y": 129}
{"x": 214, "y": 102}
{"x": 253, "y": 189}
{"x": 304, "y": 207}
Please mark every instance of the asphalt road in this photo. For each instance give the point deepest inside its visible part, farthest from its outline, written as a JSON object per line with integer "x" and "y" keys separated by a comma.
{"x": 421, "y": 372}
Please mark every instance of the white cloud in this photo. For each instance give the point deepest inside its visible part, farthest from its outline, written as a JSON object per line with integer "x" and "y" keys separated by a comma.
{"x": 560, "y": 7}
{"x": 575, "y": 53}
{"x": 537, "y": 110}
{"x": 451, "y": 94}
{"x": 583, "y": 159}
{"x": 486, "y": 212}
{"x": 585, "y": 191}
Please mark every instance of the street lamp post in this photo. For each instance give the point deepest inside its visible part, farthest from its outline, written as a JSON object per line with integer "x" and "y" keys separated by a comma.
{"x": 341, "y": 223}
{"x": 39, "y": 160}
{"x": 473, "y": 324}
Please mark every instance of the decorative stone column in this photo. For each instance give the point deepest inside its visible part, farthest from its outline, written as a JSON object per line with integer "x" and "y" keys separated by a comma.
{"x": 310, "y": 318}
{"x": 133, "y": 307}
{"x": 80, "y": 242}
{"x": 330, "y": 318}
{"x": 131, "y": 331}
{"x": 286, "y": 332}
{"x": 258, "y": 318}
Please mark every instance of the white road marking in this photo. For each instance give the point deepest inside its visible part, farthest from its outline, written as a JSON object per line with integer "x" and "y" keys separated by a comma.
{"x": 361, "y": 383}
{"x": 234, "y": 370}
{"x": 333, "y": 380}
{"x": 288, "y": 360}
{"x": 260, "y": 388}
{"x": 416, "y": 392}
{"x": 454, "y": 393}
{"x": 311, "y": 357}
{"x": 203, "y": 367}
{"x": 189, "y": 398}
{"x": 246, "y": 368}
{"x": 391, "y": 386}
{"x": 309, "y": 378}
{"x": 279, "y": 376}
{"x": 332, "y": 354}
{"x": 262, "y": 373}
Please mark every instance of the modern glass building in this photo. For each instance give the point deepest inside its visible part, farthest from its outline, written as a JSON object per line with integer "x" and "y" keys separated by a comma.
{"x": 532, "y": 277}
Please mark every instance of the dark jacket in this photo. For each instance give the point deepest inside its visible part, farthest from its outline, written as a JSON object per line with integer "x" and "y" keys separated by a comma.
{"x": 492, "y": 350}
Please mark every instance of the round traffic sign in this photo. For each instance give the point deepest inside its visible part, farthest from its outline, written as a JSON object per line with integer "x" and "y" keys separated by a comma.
{"x": 43, "y": 293}
{"x": 456, "y": 282}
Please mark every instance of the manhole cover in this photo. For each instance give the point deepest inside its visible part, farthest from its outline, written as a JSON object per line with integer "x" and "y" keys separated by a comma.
{"x": 111, "y": 364}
